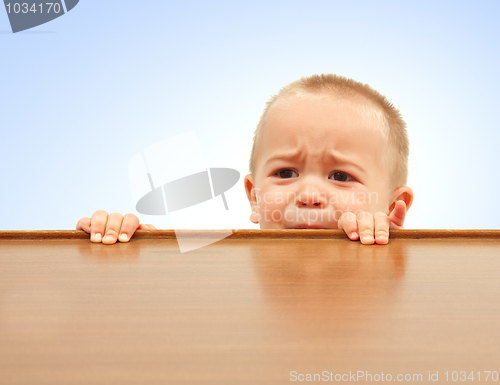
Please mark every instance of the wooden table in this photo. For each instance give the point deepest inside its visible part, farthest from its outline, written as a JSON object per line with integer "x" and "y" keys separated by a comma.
{"x": 259, "y": 307}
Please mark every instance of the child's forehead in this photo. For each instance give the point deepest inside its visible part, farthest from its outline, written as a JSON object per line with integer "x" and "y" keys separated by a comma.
{"x": 318, "y": 128}
{"x": 327, "y": 100}
{"x": 335, "y": 111}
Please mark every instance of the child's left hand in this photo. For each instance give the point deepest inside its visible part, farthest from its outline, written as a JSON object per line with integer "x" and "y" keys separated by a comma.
{"x": 373, "y": 228}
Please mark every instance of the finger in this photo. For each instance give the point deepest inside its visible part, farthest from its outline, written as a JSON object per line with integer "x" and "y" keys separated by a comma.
{"x": 143, "y": 226}
{"x": 382, "y": 223}
{"x": 365, "y": 227}
{"x": 112, "y": 228}
{"x": 348, "y": 223}
{"x": 398, "y": 213}
{"x": 98, "y": 225}
{"x": 130, "y": 223}
{"x": 84, "y": 224}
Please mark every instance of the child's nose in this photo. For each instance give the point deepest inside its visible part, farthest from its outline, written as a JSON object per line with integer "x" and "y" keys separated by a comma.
{"x": 311, "y": 196}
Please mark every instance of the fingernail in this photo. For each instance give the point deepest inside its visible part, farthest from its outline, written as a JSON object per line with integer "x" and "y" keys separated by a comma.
{"x": 108, "y": 238}
{"x": 354, "y": 235}
{"x": 123, "y": 237}
{"x": 368, "y": 239}
{"x": 97, "y": 236}
{"x": 382, "y": 237}
{"x": 146, "y": 226}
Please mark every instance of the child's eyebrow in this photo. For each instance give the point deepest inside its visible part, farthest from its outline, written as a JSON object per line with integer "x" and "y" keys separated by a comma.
{"x": 332, "y": 155}
{"x": 340, "y": 159}
{"x": 284, "y": 156}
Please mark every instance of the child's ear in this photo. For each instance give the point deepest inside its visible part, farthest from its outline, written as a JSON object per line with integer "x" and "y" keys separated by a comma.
{"x": 252, "y": 197}
{"x": 403, "y": 193}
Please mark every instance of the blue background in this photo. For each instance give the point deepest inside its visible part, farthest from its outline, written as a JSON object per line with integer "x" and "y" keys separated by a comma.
{"x": 84, "y": 93}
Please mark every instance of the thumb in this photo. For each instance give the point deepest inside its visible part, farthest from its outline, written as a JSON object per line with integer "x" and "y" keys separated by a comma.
{"x": 84, "y": 224}
{"x": 398, "y": 214}
{"x": 143, "y": 226}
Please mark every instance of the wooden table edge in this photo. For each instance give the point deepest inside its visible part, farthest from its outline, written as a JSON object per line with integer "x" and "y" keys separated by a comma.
{"x": 250, "y": 234}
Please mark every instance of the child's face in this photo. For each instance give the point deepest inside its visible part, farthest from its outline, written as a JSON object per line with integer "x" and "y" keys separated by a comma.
{"x": 317, "y": 158}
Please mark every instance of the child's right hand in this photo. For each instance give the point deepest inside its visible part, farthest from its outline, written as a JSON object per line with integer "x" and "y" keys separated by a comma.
{"x": 373, "y": 228}
{"x": 110, "y": 228}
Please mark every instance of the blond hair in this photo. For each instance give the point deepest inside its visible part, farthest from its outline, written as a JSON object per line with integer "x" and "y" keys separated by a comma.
{"x": 397, "y": 136}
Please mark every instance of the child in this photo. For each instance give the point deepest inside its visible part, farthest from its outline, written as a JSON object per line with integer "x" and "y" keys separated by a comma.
{"x": 328, "y": 152}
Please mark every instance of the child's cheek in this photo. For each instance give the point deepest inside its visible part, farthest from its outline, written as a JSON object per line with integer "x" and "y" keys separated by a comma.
{"x": 271, "y": 206}
{"x": 346, "y": 202}
{"x": 355, "y": 201}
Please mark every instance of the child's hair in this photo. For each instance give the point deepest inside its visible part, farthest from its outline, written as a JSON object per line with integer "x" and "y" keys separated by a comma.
{"x": 397, "y": 135}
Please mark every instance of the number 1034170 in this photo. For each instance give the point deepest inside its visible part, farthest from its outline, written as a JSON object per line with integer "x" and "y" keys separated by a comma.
{"x": 485, "y": 375}
{"x": 33, "y": 8}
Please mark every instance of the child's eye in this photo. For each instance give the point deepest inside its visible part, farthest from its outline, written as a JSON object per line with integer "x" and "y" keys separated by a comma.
{"x": 286, "y": 173}
{"x": 342, "y": 176}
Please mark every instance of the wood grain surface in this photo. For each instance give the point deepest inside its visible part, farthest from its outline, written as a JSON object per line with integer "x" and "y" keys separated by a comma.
{"x": 245, "y": 233}
{"x": 247, "y": 310}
